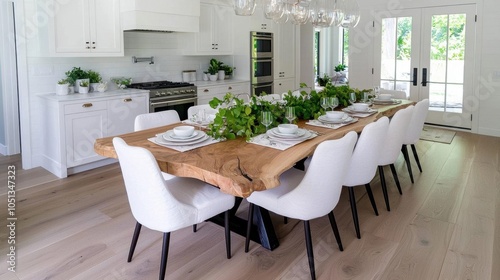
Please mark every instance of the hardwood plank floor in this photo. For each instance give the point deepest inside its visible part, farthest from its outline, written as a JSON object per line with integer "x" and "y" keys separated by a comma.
{"x": 445, "y": 226}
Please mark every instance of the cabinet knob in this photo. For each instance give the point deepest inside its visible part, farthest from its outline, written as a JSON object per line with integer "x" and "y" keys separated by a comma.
{"x": 206, "y": 90}
{"x": 87, "y": 105}
{"x": 87, "y": 47}
{"x": 230, "y": 88}
{"x": 127, "y": 100}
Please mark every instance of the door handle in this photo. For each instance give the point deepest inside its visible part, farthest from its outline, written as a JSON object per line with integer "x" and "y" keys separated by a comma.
{"x": 415, "y": 76}
{"x": 424, "y": 77}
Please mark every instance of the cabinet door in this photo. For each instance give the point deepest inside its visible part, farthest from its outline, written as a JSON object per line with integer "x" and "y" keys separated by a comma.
{"x": 284, "y": 51}
{"x": 284, "y": 85}
{"x": 222, "y": 32}
{"x": 260, "y": 22}
{"x": 122, "y": 113}
{"x": 205, "y": 39}
{"x": 71, "y": 30}
{"x": 105, "y": 31}
{"x": 82, "y": 129}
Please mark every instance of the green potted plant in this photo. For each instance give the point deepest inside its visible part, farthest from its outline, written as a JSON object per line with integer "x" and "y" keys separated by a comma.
{"x": 62, "y": 87}
{"x": 323, "y": 81}
{"x": 84, "y": 86}
{"x": 76, "y": 75}
{"x": 213, "y": 69}
{"x": 228, "y": 70}
{"x": 122, "y": 83}
{"x": 94, "y": 79}
{"x": 339, "y": 68}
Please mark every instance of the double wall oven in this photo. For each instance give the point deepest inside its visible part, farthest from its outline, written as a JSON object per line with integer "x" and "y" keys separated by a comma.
{"x": 261, "y": 62}
{"x": 166, "y": 95}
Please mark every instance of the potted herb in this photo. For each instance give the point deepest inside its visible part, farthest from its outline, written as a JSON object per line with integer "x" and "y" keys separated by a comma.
{"x": 62, "y": 87}
{"x": 84, "y": 86}
{"x": 94, "y": 79}
{"x": 228, "y": 71}
{"x": 213, "y": 69}
{"x": 76, "y": 75}
{"x": 122, "y": 83}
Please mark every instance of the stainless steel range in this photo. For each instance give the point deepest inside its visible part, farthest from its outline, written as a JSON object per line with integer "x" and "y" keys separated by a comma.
{"x": 166, "y": 95}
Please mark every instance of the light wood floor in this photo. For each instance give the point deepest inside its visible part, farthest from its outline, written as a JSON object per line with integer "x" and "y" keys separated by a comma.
{"x": 445, "y": 226}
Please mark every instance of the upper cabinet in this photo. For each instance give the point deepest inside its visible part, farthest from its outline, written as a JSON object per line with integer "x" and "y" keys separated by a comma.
{"x": 260, "y": 23}
{"x": 86, "y": 28}
{"x": 215, "y": 36}
{"x": 284, "y": 51}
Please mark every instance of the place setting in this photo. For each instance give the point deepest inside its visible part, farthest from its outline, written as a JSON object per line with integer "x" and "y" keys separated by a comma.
{"x": 183, "y": 138}
{"x": 359, "y": 109}
{"x": 385, "y": 99}
{"x": 283, "y": 136}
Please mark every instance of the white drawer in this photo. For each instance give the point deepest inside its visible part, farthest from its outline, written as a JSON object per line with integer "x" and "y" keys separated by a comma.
{"x": 84, "y": 107}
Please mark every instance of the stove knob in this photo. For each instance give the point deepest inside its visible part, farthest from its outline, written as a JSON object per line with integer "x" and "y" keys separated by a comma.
{"x": 169, "y": 93}
{"x": 158, "y": 94}
{"x": 163, "y": 94}
{"x": 182, "y": 91}
{"x": 175, "y": 92}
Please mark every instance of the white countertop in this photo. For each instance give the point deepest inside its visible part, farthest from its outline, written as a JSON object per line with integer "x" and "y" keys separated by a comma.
{"x": 93, "y": 95}
{"x": 219, "y": 82}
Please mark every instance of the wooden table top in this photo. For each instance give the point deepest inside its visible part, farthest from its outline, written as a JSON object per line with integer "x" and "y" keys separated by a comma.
{"x": 235, "y": 166}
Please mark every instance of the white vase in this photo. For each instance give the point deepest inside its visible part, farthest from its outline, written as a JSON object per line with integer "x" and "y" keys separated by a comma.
{"x": 213, "y": 77}
{"x": 93, "y": 87}
{"x": 222, "y": 74}
{"x": 205, "y": 77}
{"x": 62, "y": 89}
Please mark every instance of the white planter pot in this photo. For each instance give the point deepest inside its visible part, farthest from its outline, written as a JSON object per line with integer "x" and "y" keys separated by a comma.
{"x": 62, "y": 89}
{"x": 222, "y": 74}
{"x": 213, "y": 78}
{"x": 93, "y": 87}
{"x": 205, "y": 77}
{"x": 84, "y": 90}
{"x": 77, "y": 84}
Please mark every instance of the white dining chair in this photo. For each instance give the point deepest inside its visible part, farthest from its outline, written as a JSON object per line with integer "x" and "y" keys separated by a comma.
{"x": 310, "y": 194}
{"x": 364, "y": 164}
{"x": 166, "y": 206}
{"x": 413, "y": 134}
{"x": 397, "y": 94}
{"x": 270, "y": 97}
{"x": 157, "y": 119}
{"x": 195, "y": 109}
{"x": 392, "y": 148}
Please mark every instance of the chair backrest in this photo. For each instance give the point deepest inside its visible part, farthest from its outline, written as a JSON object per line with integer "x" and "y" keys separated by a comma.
{"x": 319, "y": 191}
{"x": 366, "y": 154}
{"x": 151, "y": 202}
{"x": 398, "y": 94}
{"x": 147, "y": 121}
{"x": 395, "y": 136}
{"x": 417, "y": 122}
{"x": 194, "y": 110}
{"x": 270, "y": 97}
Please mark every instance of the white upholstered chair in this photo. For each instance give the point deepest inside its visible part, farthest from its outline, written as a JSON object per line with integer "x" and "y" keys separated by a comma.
{"x": 166, "y": 206}
{"x": 270, "y": 97}
{"x": 413, "y": 133}
{"x": 398, "y": 94}
{"x": 364, "y": 164}
{"x": 310, "y": 194}
{"x": 392, "y": 148}
{"x": 195, "y": 109}
{"x": 150, "y": 120}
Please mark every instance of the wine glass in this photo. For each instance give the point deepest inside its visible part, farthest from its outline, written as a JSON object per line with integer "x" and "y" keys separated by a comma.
{"x": 333, "y": 102}
{"x": 200, "y": 117}
{"x": 290, "y": 114}
{"x": 267, "y": 118}
{"x": 376, "y": 91}
{"x": 352, "y": 97}
{"x": 324, "y": 103}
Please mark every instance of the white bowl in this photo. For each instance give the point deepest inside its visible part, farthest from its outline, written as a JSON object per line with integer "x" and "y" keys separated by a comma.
{"x": 287, "y": 128}
{"x": 360, "y": 106}
{"x": 335, "y": 115}
{"x": 384, "y": 96}
{"x": 184, "y": 130}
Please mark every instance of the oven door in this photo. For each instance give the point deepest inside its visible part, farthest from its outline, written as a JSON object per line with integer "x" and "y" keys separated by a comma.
{"x": 262, "y": 71}
{"x": 179, "y": 105}
{"x": 262, "y": 45}
{"x": 258, "y": 89}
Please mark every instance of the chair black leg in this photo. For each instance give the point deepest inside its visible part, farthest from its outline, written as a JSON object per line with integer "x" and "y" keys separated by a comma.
{"x": 372, "y": 199}
{"x": 164, "y": 254}
{"x": 396, "y": 179}
{"x": 309, "y": 247}
{"x": 228, "y": 233}
{"x": 384, "y": 187}
{"x": 285, "y": 220}
{"x": 404, "y": 150}
{"x": 249, "y": 226}
{"x": 335, "y": 229}
{"x": 194, "y": 228}
{"x": 354, "y": 211}
{"x": 415, "y": 155}
{"x": 135, "y": 237}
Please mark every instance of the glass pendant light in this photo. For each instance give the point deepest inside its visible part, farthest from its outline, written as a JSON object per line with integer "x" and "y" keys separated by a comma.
{"x": 273, "y": 9}
{"x": 322, "y": 13}
{"x": 300, "y": 12}
{"x": 244, "y": 7}
{"x": 351, "y": 14}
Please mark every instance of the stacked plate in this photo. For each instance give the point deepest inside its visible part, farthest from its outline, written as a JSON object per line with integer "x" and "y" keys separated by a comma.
{"x": 345, "y": 119}
{"x": 386, "y": 102}
{"x": 169, "y": 138}
{"x": 300, "y": 135}
{"x": 350, "y": 109}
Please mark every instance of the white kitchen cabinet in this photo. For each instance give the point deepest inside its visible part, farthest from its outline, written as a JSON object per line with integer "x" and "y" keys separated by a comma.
{"x": 215, "y": 35}
{"x": 207, "y": 92}
{"x": 260, "y": 23}
{"x": 284, "y": 51}
{"x": 86, "y": 28}
{"x": 284, "y": 85}
{"x": 71, "y": 124}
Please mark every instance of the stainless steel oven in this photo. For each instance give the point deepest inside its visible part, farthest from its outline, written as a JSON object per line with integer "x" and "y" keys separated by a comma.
{"x": 258, "y": 89}
{"x": 165, "y": 95}
{"x": 262, "y": 44}
{"x": 262, "y": 71}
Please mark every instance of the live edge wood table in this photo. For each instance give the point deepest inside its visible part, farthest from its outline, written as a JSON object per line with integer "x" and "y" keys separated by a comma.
{"x": 237, "y": 167}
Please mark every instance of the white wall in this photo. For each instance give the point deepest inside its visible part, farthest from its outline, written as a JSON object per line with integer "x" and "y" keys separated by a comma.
{"x": 486, "y": 101}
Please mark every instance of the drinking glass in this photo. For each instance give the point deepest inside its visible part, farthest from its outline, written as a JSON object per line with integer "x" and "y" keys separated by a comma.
{"x": 352, "y": 97}
{"x": 290, "y": 114}
{"x": 324, "y": 103}
{"x": 200, "y": 118}
{"x": 267, "y": 119}
{"x": 376, "y": 91}
{"x": 334, "y": 102}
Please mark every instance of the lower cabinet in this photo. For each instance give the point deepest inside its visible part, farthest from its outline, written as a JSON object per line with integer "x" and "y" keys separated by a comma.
{"x": 207, "y": 92}
{"x": 73, "y": 123}
{"x": 284, "y": 85}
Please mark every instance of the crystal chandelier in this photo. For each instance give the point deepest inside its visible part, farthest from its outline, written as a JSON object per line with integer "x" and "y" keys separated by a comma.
{"x": 320, "y": 13}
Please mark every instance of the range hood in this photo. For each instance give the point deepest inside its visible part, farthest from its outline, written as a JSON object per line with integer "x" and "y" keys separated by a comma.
{"x": 160, "y": 16}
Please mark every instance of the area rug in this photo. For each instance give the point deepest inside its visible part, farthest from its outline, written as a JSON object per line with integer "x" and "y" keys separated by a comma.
{"x": 437, "y": 135}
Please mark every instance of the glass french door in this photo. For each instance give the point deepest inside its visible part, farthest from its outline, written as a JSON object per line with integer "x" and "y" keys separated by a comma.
{"x": 429, "y": 53}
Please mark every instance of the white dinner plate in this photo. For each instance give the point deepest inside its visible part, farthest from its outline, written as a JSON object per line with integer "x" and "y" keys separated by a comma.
{"x": 160, "y": 140}
{"x": 386, "y": 102}
{"x": 350, "y": 109}
{"x": 304, "y": 136}
{"x": 275, "y": 132}
{"x": 325, "y": 119}
{"x": 171, "y": 137}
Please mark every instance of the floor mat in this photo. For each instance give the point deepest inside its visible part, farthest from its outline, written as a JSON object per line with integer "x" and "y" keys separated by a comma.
{"x": 437, "y": 135}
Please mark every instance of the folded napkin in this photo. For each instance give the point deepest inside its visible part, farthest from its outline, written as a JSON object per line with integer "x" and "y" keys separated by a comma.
{"x": 183, "y": 148}
{"x": 330, "y": 125}
{"x": 279, "y": 144}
